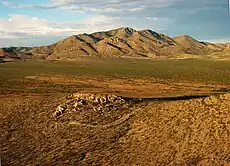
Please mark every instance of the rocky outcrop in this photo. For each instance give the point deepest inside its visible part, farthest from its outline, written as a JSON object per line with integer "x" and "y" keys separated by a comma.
{"x": 97, "y": 102}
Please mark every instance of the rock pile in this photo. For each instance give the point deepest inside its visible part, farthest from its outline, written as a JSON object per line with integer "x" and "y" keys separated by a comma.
{"x": 97, "y": 102}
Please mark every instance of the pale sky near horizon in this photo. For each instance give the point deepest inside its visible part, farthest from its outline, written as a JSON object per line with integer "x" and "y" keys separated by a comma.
{"x": 42, "y": 22}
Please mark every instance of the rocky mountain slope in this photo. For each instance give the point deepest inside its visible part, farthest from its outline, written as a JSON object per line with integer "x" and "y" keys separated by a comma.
{"x": 192, "y": 46}
{"x": 123, "y": 42}
{"x": 224, "y": 55}
{"x": 12, "y": 53}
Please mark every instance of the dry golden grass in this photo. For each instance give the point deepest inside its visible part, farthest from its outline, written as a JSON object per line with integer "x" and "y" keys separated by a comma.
{"x": 189, "y": 132}
{"x": 163, "y": 131}
{"x": 133, "y": 87}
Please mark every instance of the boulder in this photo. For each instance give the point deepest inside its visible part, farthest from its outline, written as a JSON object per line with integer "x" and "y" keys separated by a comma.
{"x": 59, "y": 110}
{"x": 97, "y": 102}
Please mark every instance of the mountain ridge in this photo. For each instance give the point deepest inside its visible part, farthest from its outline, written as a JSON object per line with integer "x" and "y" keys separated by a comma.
{"x": 121, "y": 42}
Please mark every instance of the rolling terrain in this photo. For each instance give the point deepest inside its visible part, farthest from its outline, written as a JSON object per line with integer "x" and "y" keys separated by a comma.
{"x": 112, "y": 105}
{"x": 98, "y": 111}
{"x": 123, "y": 42}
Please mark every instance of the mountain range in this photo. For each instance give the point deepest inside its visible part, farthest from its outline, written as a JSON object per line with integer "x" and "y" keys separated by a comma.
{"x": 121, "y": 42}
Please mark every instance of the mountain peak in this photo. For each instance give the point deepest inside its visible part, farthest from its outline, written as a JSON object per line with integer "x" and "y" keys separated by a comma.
{"x": 149, "y": 31}
{"x": 127, "y": 29}
{"x": 185, "y": 37}
{"x": 124, "y": 32}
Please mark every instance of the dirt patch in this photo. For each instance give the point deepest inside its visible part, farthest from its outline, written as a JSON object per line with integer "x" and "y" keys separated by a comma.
{"x": 30, "y": 135}
{"x": 184, "y": 132}
{"x": 132, "y": 87}
{"x": 192, "y": 132}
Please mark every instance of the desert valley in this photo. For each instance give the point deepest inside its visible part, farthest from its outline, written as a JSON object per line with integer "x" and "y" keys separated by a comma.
{"x": 118, "y": 97}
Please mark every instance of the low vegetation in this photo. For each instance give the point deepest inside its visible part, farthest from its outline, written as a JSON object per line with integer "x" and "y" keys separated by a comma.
{"x": 114, "y": 112}
{"x": 56, "y": 76}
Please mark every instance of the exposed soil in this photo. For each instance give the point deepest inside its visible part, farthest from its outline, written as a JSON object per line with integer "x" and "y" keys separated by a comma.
{"x": 186, "y": 132}
{"x": 132, "y": 87}
{"x": 122, "y": 113}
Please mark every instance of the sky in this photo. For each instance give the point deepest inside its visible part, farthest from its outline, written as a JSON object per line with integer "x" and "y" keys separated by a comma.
{"x": 43, "y": 22}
